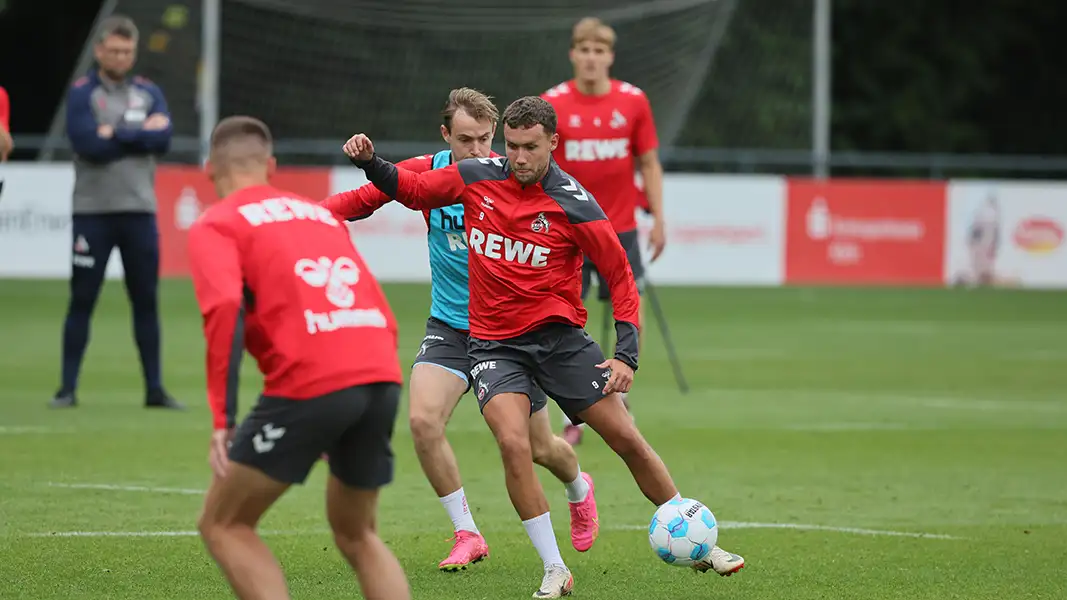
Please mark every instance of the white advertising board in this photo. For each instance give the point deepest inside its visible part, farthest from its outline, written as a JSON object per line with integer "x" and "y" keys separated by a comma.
{"x": 721, "y": 230}
{"x": 35, "y": 222}
{"x": 1006, "y": 234}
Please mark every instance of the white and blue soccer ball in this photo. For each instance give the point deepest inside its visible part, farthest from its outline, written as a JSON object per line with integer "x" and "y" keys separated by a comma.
{"x": 683, "y": 532}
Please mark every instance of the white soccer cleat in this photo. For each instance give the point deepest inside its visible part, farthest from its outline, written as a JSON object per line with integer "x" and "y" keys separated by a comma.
{"x": 724, "y": 563}
{"x": 558, "y": 582}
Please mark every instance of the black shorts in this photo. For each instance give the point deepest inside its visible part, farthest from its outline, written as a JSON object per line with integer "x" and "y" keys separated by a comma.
{"x": 446, "y": 347}
{"x": 558, "y": 358}
{"x": 284, "y": 438}
{"x": 632, "y": 244}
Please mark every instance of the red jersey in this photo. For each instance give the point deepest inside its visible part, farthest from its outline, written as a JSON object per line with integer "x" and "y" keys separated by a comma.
{"x": 5, "y": 110}
{"x": 277, "y": 274}
{"x": 526, "y": 244}
{"x": 599, "y": 138}
{"x": 363, "y": 201}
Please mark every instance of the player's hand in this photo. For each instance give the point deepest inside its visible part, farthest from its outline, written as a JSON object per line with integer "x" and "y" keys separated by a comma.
{"x": 622, "y": 376}
{"x": 657, "y": 239}
{"x": 105, "y": 132}
{"x": 359, "y": 148}
{"x": 156, "y": 122}
{"x": 219, "y": 454}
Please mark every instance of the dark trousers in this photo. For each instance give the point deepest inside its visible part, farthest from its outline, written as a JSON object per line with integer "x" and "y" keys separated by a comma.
{"x": 137, "y": 238}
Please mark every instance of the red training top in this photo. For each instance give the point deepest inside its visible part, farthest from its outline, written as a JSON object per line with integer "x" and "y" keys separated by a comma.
{"x": 599, "y": 138}
{"x": 277, "y": 274}
{"x": 527, "y": 245}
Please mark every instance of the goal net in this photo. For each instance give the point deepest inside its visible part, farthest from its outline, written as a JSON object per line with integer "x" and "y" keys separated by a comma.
{"x": 721, "y": 73}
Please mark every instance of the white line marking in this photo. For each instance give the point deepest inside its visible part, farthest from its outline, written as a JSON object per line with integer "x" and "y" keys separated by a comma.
{"x": 803, "y": 527}
{"x": 22, "y": 429}
{"x": 153, "y": 533}
{"x": 723, "y": 524}
{"x": 127, "y": 488}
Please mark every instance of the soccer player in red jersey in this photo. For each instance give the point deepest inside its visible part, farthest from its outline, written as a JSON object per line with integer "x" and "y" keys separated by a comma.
{"x": 278, "y": 274}
{"x": 6, "y": 143}
{"x": 528, "y": 226}
{"x": 441, "y": 373}
{"x": 606, "y": 129}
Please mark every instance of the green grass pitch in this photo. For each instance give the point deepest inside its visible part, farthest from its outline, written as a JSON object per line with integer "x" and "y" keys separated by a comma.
{"x": 875, "y": 444}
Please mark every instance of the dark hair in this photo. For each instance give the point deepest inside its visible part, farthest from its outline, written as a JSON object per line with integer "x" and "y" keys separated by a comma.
{"x": 117, "y": 25}
{"x": 476, "y": 104}
{"x": 530, "y": 111}
{"x": 238, "y": 127}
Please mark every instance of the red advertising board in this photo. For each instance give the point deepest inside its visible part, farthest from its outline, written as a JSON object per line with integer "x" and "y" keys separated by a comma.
{"x": 183, "y": 192}
{"x": 855, "y": 232}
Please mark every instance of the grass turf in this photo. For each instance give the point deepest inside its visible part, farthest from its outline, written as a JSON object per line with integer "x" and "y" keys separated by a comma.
{"x": 869, "y": 412}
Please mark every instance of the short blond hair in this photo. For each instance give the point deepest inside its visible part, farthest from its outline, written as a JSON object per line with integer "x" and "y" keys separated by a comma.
{"x": 592, "y": 29}
{"x": 476, "y": 104}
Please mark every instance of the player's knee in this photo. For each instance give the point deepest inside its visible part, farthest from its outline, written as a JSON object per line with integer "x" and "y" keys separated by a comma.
{"x": 426, "y": 426}
{"x": 626, "y": 441}
{"x": 514, "y": 447}
{"x": 354, "y": 541}
{"x": 543, "y": 449}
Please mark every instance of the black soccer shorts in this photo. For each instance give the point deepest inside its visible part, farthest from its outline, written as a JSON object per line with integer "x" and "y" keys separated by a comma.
{"x": 284, "y": 438}
{"x": 446, "y": 347}
{"x": 632, "y": 244}
{"x": 559, "y": 358}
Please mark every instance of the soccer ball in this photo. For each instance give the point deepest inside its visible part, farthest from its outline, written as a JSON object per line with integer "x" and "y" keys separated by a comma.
{"x": 682, "y": 532}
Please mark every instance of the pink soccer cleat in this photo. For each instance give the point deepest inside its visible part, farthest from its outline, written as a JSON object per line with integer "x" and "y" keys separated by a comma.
{"x": 469, "y": 548}
{"x": 585, "y": 523}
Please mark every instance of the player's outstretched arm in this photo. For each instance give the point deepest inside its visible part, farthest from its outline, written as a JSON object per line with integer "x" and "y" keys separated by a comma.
{"x": 360, "y": 203}
{"x": 215, "y": 265}
{"x": 420, "y": 191}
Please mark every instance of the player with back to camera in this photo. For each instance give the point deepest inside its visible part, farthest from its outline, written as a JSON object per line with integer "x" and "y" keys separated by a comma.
{"x": 605, "y": 127}
{"x": 529, "y": 224}
{"x": 278, "y": 274}
{"x": 440, "y": 374}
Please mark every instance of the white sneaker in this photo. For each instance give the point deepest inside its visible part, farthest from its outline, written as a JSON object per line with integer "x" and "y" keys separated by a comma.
{"x": 558, "y": 582}
{"x": 724, "y": 563}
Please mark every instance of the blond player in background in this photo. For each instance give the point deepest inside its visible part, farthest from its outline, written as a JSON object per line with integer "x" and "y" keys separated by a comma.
{"x": 607, "y": 132}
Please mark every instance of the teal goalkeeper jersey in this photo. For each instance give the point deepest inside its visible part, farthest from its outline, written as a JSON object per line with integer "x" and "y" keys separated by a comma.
{"x": 447, "y": 241}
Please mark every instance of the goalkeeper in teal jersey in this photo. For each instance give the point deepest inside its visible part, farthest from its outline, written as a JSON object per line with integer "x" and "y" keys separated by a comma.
{"x": 440, "y": 374}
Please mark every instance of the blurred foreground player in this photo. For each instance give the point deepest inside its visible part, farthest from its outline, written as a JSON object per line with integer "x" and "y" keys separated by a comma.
{"x": 604, "y": 125}
{"x": 529, "y": 224}
{"x": 117, "y": 125}
{"x": 6, "y": 143}
{"x": 277, "y": 274}
{"x": 440, "y": 375}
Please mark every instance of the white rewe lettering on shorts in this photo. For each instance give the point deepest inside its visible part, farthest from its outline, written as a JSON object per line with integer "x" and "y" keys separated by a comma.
{"x": 590, "y": 150}
{"x": 498, "y": 247}
{"x": 478, "y": 368}
{"x": 281, "y": 210}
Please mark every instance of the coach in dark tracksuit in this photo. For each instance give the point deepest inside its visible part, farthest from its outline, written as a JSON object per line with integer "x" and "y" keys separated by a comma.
{"x": 117, "y": 125}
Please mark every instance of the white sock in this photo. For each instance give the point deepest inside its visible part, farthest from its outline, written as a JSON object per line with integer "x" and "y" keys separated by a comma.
{"x": 577, "y": 489}
{"x": 456, "y": 505}
{"x": 540, "y": 531}
{"x": 677, "y": 496}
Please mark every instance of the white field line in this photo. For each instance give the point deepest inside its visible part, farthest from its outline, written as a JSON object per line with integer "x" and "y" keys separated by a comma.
{"x": 620, "y": 527}
{"x": 127, "y": 488}
{"x": 800, "y": 526}
{"x": 30, "y": 429}
{"x": 154, "y": 533}
{"x": 727, "y": 525}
